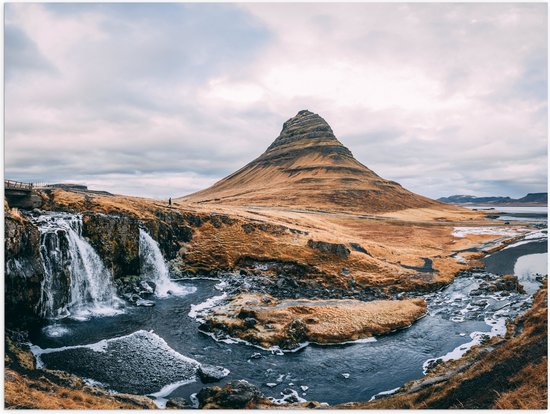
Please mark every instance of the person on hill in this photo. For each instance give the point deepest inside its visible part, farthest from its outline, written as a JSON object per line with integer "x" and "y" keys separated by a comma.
{"x": 170, "y": 201}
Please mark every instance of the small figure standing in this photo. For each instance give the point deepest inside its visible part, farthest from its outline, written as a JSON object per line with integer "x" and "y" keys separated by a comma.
{"x": 170, "y": 201}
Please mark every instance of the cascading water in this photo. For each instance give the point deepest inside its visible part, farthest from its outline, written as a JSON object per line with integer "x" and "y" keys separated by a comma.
{"x": 154, "y": 268}
{"x": 76, "y": 282}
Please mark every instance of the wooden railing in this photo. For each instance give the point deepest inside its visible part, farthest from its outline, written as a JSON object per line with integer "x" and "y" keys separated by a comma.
{"x": 41, "y": 185}
{"x": 17, "y": 185}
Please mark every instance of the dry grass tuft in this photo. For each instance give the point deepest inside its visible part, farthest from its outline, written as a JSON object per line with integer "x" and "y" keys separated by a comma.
{"x": 532, "y": 389}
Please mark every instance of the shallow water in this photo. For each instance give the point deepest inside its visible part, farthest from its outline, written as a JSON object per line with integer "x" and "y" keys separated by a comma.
{"x": 537, "y": 214}
{"x": 333, "y": 374}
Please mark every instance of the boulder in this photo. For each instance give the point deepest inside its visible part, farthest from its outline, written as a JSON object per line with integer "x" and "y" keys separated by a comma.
{"x": 234, "y": 395}
{"x": 210, "y": 373}
{"x": 178, "y": 403}
{"x": 250, "y": 322}
{"x": 337, "y": 249}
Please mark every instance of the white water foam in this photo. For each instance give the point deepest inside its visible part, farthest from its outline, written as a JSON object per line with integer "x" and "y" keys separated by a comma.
{"x": 154, "y": 268}
{"x": 55, "y": 330}
{"x": 194, "y": 400}
{"x": 293, "y": 396}
{"x": 370, "y": 339}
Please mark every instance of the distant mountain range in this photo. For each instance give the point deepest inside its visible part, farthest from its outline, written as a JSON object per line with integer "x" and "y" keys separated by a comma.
{"x": 529, "y": 199}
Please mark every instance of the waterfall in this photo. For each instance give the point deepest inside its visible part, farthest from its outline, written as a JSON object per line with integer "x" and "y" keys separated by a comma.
{"x": 154, "y": 268}
{"x": 76, "y": 282}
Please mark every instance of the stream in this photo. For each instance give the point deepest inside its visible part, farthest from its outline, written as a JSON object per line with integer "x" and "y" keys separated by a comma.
{"x": 156, "y": 350}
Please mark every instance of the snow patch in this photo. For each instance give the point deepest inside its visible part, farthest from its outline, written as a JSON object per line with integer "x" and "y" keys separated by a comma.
{"x": 389, "y": 392}
{"x": 498, "y": 328}
{"x": 503, "y": 231}
{"x": 159, "y": 398}
{"x": 200, "y": 309}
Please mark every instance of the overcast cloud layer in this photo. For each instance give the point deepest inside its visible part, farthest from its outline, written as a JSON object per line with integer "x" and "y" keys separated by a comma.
{"x": 164, "y": 100}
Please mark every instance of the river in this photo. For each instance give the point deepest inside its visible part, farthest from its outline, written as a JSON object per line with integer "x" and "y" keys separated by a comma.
{"x": 155, "y": 350}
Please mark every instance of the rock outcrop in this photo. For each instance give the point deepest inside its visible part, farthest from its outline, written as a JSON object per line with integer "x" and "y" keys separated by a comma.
{"x": 116, "y": 241}
{"x": 308, "y": 167}
{"x": 23, "y": 268}
{"x": 337, "y": 249}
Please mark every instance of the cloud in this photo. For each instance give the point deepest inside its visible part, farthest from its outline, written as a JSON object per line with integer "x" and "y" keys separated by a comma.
{"x": 164, "y": 99}
{"x": 21, "y": 54}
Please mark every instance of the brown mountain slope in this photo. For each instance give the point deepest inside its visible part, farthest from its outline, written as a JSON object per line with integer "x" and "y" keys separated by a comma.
{"x": 306, "y": 167}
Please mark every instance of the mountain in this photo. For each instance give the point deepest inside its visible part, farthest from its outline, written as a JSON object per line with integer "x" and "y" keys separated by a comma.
{"x": 531, "y": 198}
{"x": 465, "y": 199}
{"x": 306, "y": 167}
{"x": 534, "y": 198}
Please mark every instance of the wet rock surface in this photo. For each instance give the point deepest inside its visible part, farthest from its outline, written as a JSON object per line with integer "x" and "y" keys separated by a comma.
{"x": 495, "y": 283}
{"x": 210, "y": 373}
{"x": 115, "y": 239}
{"x": 134, "y": 288}
{"x": 234, "y": 395}
{"x": 291, "y": 286}
{"x": 178, "y": 403}
{"x": 23, "y": 269}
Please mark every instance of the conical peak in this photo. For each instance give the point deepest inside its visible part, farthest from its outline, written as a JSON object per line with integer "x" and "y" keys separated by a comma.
{"x": 307, "y": 167}
{"x": 305, "y": 129}
{"x": 303, "y": 121}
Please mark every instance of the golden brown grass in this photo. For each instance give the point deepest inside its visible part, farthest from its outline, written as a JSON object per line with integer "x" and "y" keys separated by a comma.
{"x": 404, "y": 240}
{"x": 22, "y": 392}
{"x": 531, "y": 392}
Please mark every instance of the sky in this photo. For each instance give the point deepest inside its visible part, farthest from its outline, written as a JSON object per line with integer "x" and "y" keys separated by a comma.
{"x": 161, "y": 100}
